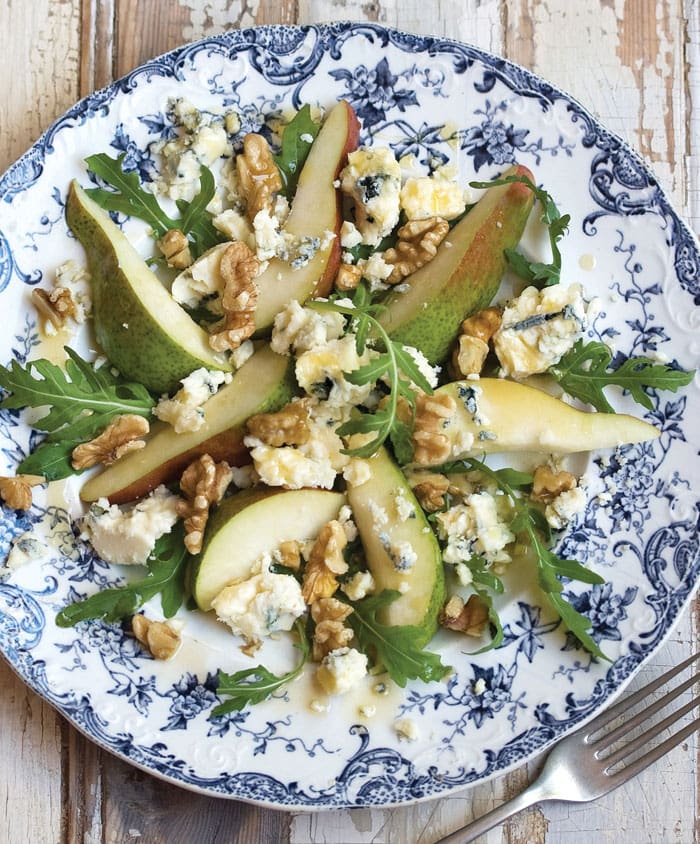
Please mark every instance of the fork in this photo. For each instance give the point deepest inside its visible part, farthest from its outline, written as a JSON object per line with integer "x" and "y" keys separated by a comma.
{"x": 586, "y": 765}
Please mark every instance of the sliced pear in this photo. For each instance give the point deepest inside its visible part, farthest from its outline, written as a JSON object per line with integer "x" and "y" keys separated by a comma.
{"x": 499, "y": 416}
{"x": 263, "y": 384}
{"x": 253, "y": 522}
{"x": 315, "y": 211}
{"x": 464, "y": 275}
{"x": 139, "y": 326}
{"x": 401, "y": 549}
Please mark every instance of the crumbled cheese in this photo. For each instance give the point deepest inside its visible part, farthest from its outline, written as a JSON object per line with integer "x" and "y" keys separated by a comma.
{"x": 201, "y": 280}
{"x": 303, "y": 329}
{"x": 203, "y": 142}
{"x": 242, "y": 353}
{"x": 75, "y": 278}
{"x": 184, "y": 410}
{"x": 359, "y": 586}
{"x": 429, "y": 197}
{"x": 368, "y": 710}
{"x": 244, "y": 477}
{"x": 341, "y": 670}
{"x": 538, "y": 328}
{"x": 405, "y": 509}
{"x": 24, "y": 549}
{"x": 373, "y": 178}
{"x": 261, "y": 604}
{"x": 234, "y": 226}
{"x": 474, "y": 527}
{"x": 375, "y": 270}
{"x": 128, "y": 535}
{"x": 320, "y": 371}
{"x": 357, "y": 472}
{"x": 314, "y": 463}
{"x": 565, "y": 507}
{"x": 406, "y": 729}
{"x": 349, "y": 235}
{"x": 270, "y": 242}
{"x": 401, "y": 554}
{"x": 427, "y": 370}
{"x": 479, "y": 687}
{"x": 349, "y": 526}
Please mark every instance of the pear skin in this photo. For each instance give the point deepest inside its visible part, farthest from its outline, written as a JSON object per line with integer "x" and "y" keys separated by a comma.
{"x": 263, "y": 384}
{"x": 316, "y": 211}
{"x": 139, "y": 326}
{"x": 464, "y": 275}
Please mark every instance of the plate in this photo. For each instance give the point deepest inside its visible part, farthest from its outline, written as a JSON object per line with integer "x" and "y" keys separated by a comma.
{"x": 442, "y": 102}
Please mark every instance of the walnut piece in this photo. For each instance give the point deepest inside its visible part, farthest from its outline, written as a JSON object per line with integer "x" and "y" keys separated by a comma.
{"x": 176, "y": 249}
{"x": 16, "y": 492}
{"x": 430, "y": 445}
{"x": 238, "y": 269}
{"x": 158, "y": 636}
{"x": 55, "y": 306}
{"x": 483, "y": 325}
{"x": 325, "y": 563}
{"x": 122, "y": 435}
{"x": 548, "y": 484}
{"x": 417, "y": 244}
{"x": 470, "y": 618}
{"x": 258, "y": 175}
{"x": 348, "y": 277}
{"x": 289, "y": 554}
{"x": 203, "y": 483}
{"x": 473, "y": 343}
{"x": 430, "y": 492}
{"x": 330, "y": 632}
{"x": 289, "y": 426}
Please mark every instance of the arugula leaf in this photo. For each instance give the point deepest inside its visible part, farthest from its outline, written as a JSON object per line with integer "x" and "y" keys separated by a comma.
{"x": 254, "y": 685}
{"x": 584, "y": 372}
{"x": 82, "y": 400}
{"x": 297, "y": 138}
{"x": 528, "y": 519}
{"x": 535, "y": 272}
{"x": 393, "y": 363}
{"x": 128, "y": 197}
{"x": 395, "y": 646}
{"x": 494, "y": 621}
{"x": 166, "y": 575}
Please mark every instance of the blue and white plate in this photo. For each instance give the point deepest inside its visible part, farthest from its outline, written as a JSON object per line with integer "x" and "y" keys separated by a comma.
{"x": 445, "y": 103}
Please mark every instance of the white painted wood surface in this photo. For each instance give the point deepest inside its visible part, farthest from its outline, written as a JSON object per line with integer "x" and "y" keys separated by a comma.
{"x": 636, "y": 65}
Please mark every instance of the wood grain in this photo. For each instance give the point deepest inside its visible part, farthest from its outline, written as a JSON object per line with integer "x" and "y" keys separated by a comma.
{"x": 636, "y": 65}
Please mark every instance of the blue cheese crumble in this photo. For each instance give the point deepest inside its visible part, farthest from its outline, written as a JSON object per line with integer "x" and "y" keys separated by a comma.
{"x": 184, "y": 410}
{"x": 538, "y": 328}
{"x": 261, "y": 604}
{"x": 372, "y": 178}
{"x": 475, "y": 527}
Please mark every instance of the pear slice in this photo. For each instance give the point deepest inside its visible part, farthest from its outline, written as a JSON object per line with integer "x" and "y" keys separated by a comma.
{"x": 263, "y": 384}
{"x": 139, "y": 326}
{"x": 315, "y": 212}
{"x": 464, "y": 275}
{"x": 401, "y": 549}
{"x": 499, "y": 416}
{"x": 253, "y": 522}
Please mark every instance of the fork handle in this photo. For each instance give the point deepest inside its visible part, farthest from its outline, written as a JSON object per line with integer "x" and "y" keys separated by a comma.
{"x": 533, "y": 794}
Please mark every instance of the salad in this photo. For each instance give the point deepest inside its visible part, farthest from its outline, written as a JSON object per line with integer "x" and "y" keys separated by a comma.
{"x": 298, "y": 391}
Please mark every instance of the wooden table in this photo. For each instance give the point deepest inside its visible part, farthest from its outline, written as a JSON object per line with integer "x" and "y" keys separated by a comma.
{"x": 636, "y": 65}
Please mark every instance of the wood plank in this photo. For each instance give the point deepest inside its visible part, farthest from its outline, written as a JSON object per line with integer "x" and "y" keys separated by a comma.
{"x": 41, "y": 60}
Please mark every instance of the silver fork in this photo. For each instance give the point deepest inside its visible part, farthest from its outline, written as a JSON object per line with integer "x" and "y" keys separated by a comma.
{"x": 585, "y": 765}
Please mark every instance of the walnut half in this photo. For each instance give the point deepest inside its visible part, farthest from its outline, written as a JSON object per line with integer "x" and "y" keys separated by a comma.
{"x": 470, "y": 618}
{"x": 417, "y": 244}
{"x": 289, "y": 426}
{"x": 203, "y": 483}
{"x": 258, "y": 174}
{"x": 158, "y": 636}
{"x": 325, "y": 563}
{"x": 431, "y": 445}
{"x": 238, "y": 268}
{"x": 17, "y": 492}
{"x": 330, "y": 633}
{"x": 122, "y": 435}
